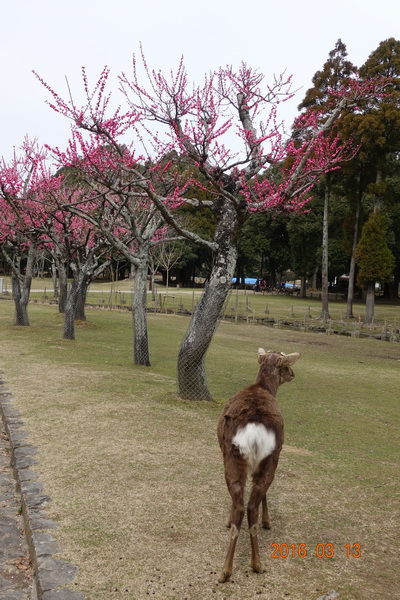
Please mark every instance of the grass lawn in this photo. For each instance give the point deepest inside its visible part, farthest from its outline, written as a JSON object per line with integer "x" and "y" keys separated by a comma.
{"x": 136, "y": 475}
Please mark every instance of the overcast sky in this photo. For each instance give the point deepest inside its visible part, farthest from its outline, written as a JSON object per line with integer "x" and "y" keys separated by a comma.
{"x": 57, "y": 38}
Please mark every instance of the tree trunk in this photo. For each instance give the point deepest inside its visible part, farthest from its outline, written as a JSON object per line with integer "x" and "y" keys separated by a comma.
{"x": 352, "y": 272}
{"x": 81, "y": 300}
{"x": 69, "y": 310}
{"x": 396, "y": 284}
{"x": 272, "y": 267}
{"x": 192, "y": 381}
{"x": 153, "y": 269}
{"x": 63, "y": 284}
{"x": 303, "y": 286}
{"x": 314, "y": 283}
{"x": 54, "y": 278}
{"x": 21, "y": 310}
{"x": 21, "y": 287}
{"x": 139, "y": 317}
{"x": 76, "y": 298}
{"x": 370, "y": 303}
{"x": 377, "y": 196}
{"x": 370, "y": 289}
{"x": 325, "y": 258}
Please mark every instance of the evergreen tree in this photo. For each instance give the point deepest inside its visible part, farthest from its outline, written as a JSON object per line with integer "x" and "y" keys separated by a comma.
{"x": 336, "y": 71}
{"x": 374, "y": 258}
{"x": 333, "y": 75}
{"x": 377, "y": 125}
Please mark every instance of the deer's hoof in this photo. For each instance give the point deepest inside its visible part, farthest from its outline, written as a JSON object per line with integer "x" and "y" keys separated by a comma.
{"x": 224, "y": 577}
{"x": 258, "y": 568}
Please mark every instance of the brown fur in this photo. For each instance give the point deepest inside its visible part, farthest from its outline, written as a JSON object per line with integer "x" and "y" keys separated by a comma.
{"x": 253, "y": 404}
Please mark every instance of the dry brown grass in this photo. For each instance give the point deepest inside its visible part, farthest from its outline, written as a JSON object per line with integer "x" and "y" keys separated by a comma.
{"x": 136, "y": 476}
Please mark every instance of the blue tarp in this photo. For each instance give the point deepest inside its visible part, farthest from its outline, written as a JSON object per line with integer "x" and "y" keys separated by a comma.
{"x": 247, "y": 280}
{"x": 253, "y": 281}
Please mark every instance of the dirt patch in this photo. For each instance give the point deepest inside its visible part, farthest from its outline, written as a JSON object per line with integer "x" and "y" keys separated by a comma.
{"x": 295, "y": 450}
{"x": 382, "y": 357}
{"x": 316, "y": 343}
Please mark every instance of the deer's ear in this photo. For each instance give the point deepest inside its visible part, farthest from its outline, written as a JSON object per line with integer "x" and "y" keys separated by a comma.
{"x": 261, "y": 354}
{"x": 289, "y": 359}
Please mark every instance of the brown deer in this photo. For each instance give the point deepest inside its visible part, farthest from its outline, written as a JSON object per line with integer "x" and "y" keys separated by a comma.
{"x": 250, "y": 433}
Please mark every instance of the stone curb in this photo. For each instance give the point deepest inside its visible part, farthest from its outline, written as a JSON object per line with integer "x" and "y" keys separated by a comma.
{"x": 50, "y": 573}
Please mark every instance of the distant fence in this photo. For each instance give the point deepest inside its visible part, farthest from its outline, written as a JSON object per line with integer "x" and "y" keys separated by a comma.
{"x": 241, "y": 309}
{"x": 249, "y": 308}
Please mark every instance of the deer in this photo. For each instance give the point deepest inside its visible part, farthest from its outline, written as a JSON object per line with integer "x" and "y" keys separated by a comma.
{"x": 250, "y": 434}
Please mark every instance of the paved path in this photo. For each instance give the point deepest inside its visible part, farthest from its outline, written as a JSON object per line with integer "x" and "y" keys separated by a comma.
{"x": 15, "y": 565}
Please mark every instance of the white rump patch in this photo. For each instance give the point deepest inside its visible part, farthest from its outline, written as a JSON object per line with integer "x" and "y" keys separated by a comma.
{"x": 255, "y": 442}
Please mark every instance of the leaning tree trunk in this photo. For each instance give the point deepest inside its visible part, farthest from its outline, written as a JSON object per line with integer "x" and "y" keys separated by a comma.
{"x": 192, "y": 381}
{"x": 325, "y": 259}
{"x": 141, "y": 353}
{"x": 370, "y": 303}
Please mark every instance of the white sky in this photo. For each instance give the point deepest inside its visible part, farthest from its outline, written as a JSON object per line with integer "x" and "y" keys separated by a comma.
{"x": 56, "y": 38}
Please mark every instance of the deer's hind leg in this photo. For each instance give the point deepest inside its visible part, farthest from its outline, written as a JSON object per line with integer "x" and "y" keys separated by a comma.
{"x": 262, "y": 479}
{"x": 235, "y": 476}
{"x": 264, "y": 515}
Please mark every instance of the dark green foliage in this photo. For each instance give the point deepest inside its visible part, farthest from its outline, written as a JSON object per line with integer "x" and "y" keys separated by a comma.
{"x": 375, "y": 260}
{"x": 305, "y": 234}
{"x": 197, "y": 259}
{"x": 335, "y": 72}
{"x": 377, "y": 125}
{"x": 263, "y": 246}
{"x": 384, "y": 61}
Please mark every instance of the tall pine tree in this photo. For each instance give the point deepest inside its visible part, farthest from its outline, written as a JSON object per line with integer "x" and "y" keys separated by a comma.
{"x": 336, "y": 71}
{"x": 376, "y": 127}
